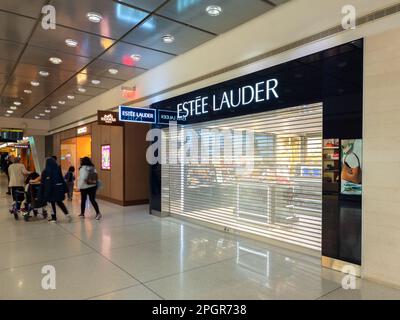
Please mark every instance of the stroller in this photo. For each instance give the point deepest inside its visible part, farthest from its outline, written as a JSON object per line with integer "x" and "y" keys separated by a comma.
{"x": 33, "y": 202}
{"x": 32, "y": 196}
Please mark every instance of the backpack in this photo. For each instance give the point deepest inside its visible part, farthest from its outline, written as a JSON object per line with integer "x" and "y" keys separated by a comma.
{"x": 92, "y": 177}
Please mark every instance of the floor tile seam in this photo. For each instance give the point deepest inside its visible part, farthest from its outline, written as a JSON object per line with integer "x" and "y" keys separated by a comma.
{"x": 189, "y": 270}
{"x": 119, "y": 267}
{"x": 34, "y": 238}
{"x": 48, "y": 262}
{"x": 114, "y": 291}
{"x": 108, "y": 227}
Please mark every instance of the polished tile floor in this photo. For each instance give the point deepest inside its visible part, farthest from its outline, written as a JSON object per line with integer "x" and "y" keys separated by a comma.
{"x": 132, "y": 255}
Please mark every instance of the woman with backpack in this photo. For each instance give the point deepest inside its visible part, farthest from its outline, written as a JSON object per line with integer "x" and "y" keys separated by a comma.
{"x": 53, "y": 188}
{"x": 88, "y": 184}
{"x": 70, "y": 180}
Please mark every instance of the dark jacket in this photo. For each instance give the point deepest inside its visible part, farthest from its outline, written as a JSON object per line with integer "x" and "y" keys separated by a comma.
{"x": 53, "y": 186}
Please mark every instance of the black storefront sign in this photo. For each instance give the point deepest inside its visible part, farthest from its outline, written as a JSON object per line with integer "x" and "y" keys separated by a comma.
{"x": 108, "y": 118}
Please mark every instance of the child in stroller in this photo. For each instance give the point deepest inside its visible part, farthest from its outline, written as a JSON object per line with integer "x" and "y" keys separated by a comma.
{"x": 32, "y": 202}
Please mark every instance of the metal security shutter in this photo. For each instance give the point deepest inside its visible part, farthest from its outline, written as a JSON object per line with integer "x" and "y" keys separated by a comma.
{"x": 279, "y": 199}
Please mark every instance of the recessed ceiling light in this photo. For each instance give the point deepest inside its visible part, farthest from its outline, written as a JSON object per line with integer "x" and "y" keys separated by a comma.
{"x": 95, "y": 81}
{"x": 94, "y": 17}
{"x": 168, "y": 38}
{"x": 113, "y": 71}
{"x": 35, "y": 83}
{"x": 17, "y": 103}
{"x": 10, "y": 111}
{"x": 54, "y": 107}
{"x": 47, "y": 111}
{"x": 13, "y": 108}
{"x": 28, "y": 91}
{"x": 62, "y": 102}
{"x": 71, "y": 43}
{"x": 214, "y": 11}
{"x": 44, "y": 73}
{"x": 80, "y": 89}
{"x": 136, "y": 57}
{"x": 71, "y": 97}
{"x": 37, "y": 117}
{"x": 42, "y": 114}
{"x": 55, "y": 60}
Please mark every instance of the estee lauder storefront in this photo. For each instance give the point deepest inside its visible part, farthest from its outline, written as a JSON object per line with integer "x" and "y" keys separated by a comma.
{"x": 292, "y": 174}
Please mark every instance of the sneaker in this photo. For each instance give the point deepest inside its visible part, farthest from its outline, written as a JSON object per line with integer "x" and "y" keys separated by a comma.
{"x": 98, "y": 216}
{"x": 81, "y": 216}
{"x": 53, "y": 219}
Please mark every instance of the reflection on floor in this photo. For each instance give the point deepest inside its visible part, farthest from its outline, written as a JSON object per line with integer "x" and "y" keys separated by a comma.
{"x": 132, "y": 255}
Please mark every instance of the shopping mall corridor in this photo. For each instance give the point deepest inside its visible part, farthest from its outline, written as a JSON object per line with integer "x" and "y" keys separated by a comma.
{"x": 132, "y": 255}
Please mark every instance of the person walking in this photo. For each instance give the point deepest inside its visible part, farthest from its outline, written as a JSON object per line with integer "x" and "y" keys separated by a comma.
{"x": 70, "y": 180}
{"x": 53, "y": 189}
{"x": 17, "y": 173}
{"x": 88, "y": 184}
{"x": 7, "y": 163}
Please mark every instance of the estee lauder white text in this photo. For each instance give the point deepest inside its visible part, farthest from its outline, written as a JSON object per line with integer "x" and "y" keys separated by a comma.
{"x": 259, "y": 92}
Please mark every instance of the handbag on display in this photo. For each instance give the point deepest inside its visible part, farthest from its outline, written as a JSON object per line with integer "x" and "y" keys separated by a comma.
{"x": 350, "y": 174}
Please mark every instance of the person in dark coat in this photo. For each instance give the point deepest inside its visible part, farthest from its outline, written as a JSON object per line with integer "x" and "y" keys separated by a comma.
{"x": 53, "y": 188}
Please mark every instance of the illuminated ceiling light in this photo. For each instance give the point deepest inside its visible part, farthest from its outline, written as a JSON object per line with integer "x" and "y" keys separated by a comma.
{"x": 113, "y": 71}
{"x": 70, "y": 97}
{"x": 10, "y": 111}
{"x": 55, "y": 60}
{"x": 168, "y": 38}
{"x": 62, "y": 102}
{"x": 95, "y": 82}
{"x": 47, "y": 111}
{"x": 80, "y": 89}
{"x": 81, "y": 78}
{"x": 42, "y": 114}
{"x": 71, "y": 43}
{"x": 54, "y": 107}
{"x": 28, "y": 91}
{"x": 106, "y": 43}
{"x": 37, "y": 117}
{"x": 44, "y": 73}
{"x": 136, "y": 57}
{"x": 94, "y": 17}
{"x": 214, "y": 11}
{"x": 17, "y": 103}
{"x": 13, "y": 108}
{"x": 35, "y": 83}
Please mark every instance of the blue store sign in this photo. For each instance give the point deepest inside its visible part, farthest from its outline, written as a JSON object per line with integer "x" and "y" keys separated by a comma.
{"x": 138, "y": 115}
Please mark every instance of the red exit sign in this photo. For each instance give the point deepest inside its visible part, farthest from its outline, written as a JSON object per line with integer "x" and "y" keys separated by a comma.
{"x": 128, "y": 92}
